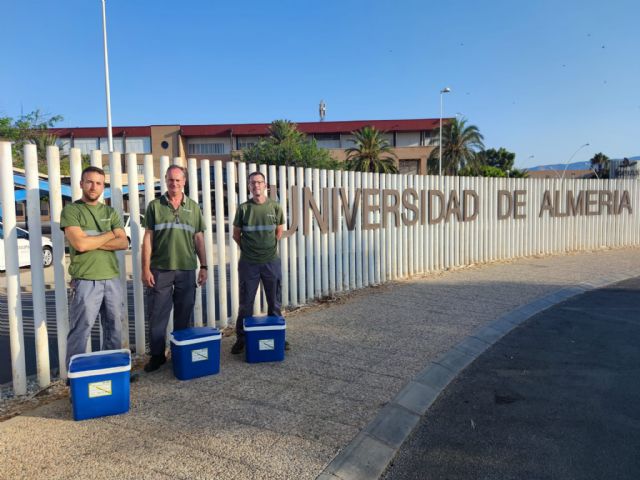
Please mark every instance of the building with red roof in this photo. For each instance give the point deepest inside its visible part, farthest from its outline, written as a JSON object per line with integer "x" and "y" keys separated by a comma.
{"x": 410, "y": 139}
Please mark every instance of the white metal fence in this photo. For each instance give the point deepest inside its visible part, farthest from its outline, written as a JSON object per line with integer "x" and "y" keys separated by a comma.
{"x": 345, "y": 230}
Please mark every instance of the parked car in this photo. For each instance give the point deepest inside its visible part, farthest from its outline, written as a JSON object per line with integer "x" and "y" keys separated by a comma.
{"x": 24, "y": 259}
{"x": 127, "y": 226}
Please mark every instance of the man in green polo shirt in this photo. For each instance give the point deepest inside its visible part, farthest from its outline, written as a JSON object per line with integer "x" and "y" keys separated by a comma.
{"x": 94, "y": 231}
{"x": 257, "y": 228}
{"x": 173, "y": 235}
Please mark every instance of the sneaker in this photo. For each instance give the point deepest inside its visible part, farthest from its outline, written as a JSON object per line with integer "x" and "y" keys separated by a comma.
{"x": 238, "y": 347}
{"x": 155, "y": 363}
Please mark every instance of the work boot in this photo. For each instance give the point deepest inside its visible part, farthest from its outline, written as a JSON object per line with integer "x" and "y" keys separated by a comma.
{"x": 155, "y": 363}
{"x": 238, "y": 347}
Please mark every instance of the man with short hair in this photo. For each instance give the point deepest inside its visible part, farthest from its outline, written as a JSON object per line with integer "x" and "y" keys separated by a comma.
{"x": 94, "y": 232}
{"x": 173, "y": 235}
{"x": 257, "y": 228}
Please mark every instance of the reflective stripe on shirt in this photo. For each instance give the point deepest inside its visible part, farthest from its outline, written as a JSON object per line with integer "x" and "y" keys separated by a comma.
{"x": 179, "y": 226}
{"x": 258, "y": 228}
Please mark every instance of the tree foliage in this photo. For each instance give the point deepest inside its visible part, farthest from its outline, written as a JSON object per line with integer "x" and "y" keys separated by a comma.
{"x": 371, "y": 153}
{"x": 482, "y": 171}
{"x": 501, "y": 158}
{"x": 600, "y": 164}
{"x": 460, "y": 144}
{"x": 286, "y": 145}
{"x": 32, "y": 128}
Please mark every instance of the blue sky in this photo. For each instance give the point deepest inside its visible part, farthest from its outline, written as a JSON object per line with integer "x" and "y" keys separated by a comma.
{"x": 539, "y": 78}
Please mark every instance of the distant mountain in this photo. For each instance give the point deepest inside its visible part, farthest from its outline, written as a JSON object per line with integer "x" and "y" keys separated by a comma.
{"x": 572, "y": 166}
{"x": 561, "y": 166}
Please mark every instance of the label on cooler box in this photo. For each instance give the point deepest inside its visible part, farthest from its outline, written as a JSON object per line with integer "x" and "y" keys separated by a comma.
{"x": 266, "y": 344}
{"x": 100, "y": 389}
{"x": 200, "y": 355}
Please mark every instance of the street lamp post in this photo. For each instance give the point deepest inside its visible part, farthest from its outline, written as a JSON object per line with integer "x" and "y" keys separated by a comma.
{"x": 442, "y": 92}
{"x": 571, "y": 158}
{"x": 106, "y": 75}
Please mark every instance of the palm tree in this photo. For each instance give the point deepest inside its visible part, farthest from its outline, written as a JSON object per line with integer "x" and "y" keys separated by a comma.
{"x": 600, "y": 165}
{"x": 460, "y": 146}
{"x": 371, "y": 153}
{"x": 281, "y": 131}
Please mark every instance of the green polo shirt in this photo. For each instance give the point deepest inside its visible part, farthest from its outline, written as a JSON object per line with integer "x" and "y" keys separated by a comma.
{"x": 258, "y": 223}
{"x": 93, "y": 220}
{"x": 173, "y": 246}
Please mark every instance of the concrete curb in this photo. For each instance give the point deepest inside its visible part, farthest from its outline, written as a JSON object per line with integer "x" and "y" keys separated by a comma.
{"x": 371, "y": 451}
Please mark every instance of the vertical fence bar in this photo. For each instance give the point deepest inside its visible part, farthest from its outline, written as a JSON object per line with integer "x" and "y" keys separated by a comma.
{"x": 14, "y": 301}
{"x": 115, "y": 170}
{"x": 136, "y": 242}
{"x": 37, "y": 269}
{"x": 192, "y": 168}
{"x": 353, "y": 280}
{"x": 331, "y": 234}
{"x": 317, "y": 248}
{"x": 57, "y": 238}
{"x": 220, "y": 243}
{"x": 374, "y": 248}
{"x": 291, "y": 241}
{"x": 358, "y": 245}
{"x": 284, "y": 244}
{"x": 324, "y": 237}
{"x": 233, "y": 248}
{"x": 309, "y": 240}
{"x": 339, "y": 232}
{"x": 384, "y": 246}
{"x": 345, "y": 230}
{"x": 300, "y": 240}
{"x": 149, "y": 180}
{"x": 205, "y": 180}
{"x": 378, "y": 253}
{"x": 364, "y": 245}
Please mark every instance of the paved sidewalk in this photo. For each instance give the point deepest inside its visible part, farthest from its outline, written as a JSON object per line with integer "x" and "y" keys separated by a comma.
{"x": 317, "y": 412}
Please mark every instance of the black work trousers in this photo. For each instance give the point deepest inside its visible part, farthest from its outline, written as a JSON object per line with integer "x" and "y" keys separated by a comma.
{"x": 173, "y": 289}
{"x": 250, "y": 275}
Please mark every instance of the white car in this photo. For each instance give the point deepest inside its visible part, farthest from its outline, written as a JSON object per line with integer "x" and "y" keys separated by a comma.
{"x": 24, "y": 244}
{"x": 127, "y": 226}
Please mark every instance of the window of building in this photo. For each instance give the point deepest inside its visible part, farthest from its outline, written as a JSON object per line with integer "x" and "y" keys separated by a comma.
{"x": 118, "y": 145}
{"x": 138, "y": 144}
{"x": 328, "y": 140}
{"x": 410, "y": 167}
{"x": 247, "y": 142}
{"x": 408, "y": 139}
{"x": 86, "y": 145}
{"x": 206, "y": 148}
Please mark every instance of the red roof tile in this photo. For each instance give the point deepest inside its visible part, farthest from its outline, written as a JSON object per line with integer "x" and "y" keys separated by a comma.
{"x": 249, "y": 129}
{"x": 94, "y": 132}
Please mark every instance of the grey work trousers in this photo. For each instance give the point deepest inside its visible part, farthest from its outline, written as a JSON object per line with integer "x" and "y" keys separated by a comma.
{"x": 88, "y": 299}
{"x": 173, "y": 289}
{"x": 250, "y": 275}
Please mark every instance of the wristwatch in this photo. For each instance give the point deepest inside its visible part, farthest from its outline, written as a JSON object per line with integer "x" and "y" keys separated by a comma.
{"x": 204, "y": 267}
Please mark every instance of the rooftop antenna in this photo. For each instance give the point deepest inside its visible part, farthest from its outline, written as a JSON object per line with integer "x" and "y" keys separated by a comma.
{"x": 322, "y": 109}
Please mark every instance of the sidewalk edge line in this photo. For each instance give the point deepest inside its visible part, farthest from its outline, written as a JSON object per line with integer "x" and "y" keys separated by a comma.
{"x": 356, "y": 461}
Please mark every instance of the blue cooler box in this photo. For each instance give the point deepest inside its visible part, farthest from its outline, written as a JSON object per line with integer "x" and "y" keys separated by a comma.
{"x": 195, "y": 352}
{"x": 264, "y": 339}
{"x": 100, "y": 383}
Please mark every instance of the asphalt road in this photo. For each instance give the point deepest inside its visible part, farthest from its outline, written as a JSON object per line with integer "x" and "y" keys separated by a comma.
{"x": 557, "y": 398}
